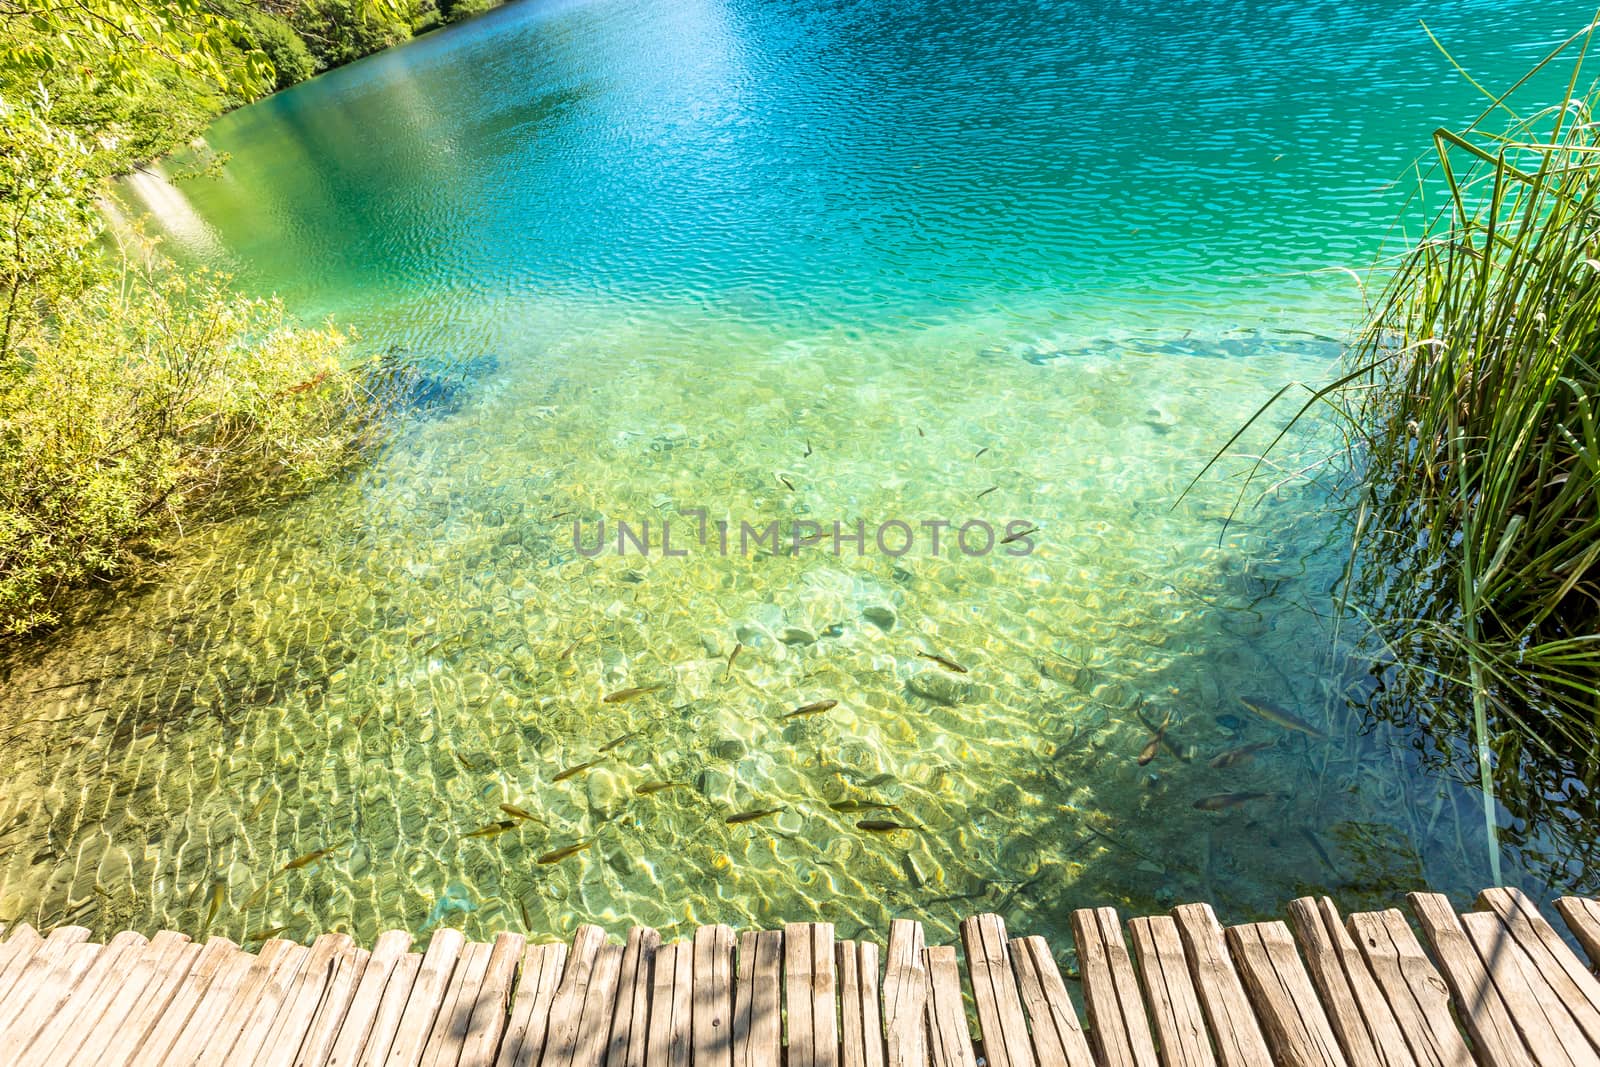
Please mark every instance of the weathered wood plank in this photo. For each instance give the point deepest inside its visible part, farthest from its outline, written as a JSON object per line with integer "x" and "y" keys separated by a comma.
{"x": 1360, "y": 1016}
{"x": 905, "y": 996}
{"x": 630, "y": 1025}
{"x": 353, "y": 997}
{"x": 712, "y": 1018}
{"x": 489, "y": 1011}
{"x": 1542, "y": 1022}
{"x": 1058, "y": 1038}
{"x": 264, "y": 1011}
{"x": 99, "y": 982}
{"x": 599, "y": 1002}
{"x": 994, "y": 992}
{"x": 1582, "y": 917}
{"x": 162, "y": 1022}
{"x": 566, "y": 1011}
{"x": 1293, "y": 1022}
{"x": 1117, "y": 1022}
{"x": 27, "y": 1018}
{"x": 824, "y": 998}
{"x": 671, "y": 1006}
{"x": 1481, "y": 1007}
{"x": 1179, "y": 1020}
{"x": 758, "y": 1001}
{"x": 1566, "y": 975}
{"x": 1234, "y": 1029}
{"x": 949, "y": 1043}
{"x": 372, "y": 1046}
{"x": 151, "y": 1004}
{"x": 797, "y": 994}
{"x": 90, "y": 1040}
{"x": 45, "y": 959}
{"x": 427, "y": 997}
{"x": 213, "y": 1043}
{"x": 184, "y": 1044}
{"x": 15, "y": 953}
{"x": 304, "y": 995}
{"x": 523, "y": 1043}
{"x": 860, "y": 1017}
{"x": 1413, "y": 989}
{"x": 449, "y": 1029}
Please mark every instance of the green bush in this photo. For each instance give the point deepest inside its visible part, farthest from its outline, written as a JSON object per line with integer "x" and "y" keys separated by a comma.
{"x": 339, "y": 31}
{"x": 291, "y": 60}
{"x": 461, "y": 10}
{"x": 157, "y": 398}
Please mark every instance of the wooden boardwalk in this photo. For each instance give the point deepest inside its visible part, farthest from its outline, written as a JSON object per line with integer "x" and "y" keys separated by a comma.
{"x": 1497, "y": 986}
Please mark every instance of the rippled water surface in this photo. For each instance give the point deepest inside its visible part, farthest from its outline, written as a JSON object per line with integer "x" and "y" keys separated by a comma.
{"x": 792, "y": 262}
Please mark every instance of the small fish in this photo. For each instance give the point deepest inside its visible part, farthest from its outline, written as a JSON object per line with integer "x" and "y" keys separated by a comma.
{"x": 948, "y": 664}
{"x": 912, "y": 874}
{"x": 562, "y": 853}
{"x": 214, "y": 897}
{"x": 852, "y": 806}
{"x": 1223, "y": 801}
{"x": 628, "y": 694}
{"x": 259, "y": 805}
{"x": 1235, "y": 756}
{"x": 527, "y": 923}
{"x": 567, "y": 651}
{"x": 1153, "y": 746}
{"x": 814, "y": 708}
{"x": 883, "y": 826}
{"x": 920, "y": 433}
{"x": 519, "y": 813}
{"x": 750, "y": 816}
{"x": 561, "y": 515}
{"x": 493, "y": 829}
{"x": 1280, "y": 717}
{"x": 808, "y": 451}
{"x": 986, "y": 492}
{"x": 473, "y": 762}
{"x": 269, "y": 932}
{"x": 786, "y": 482}
{"x": 579, "y": 769}
{"x": 308, "y": 859}
{"x": 617, "y": 741}
{"x": 878, "y": 779}
{"x": 737, "y": 648}
{"x": 650, "y": 788}
{"x": 1019, "y": 535}
{"x": 980, "y": 451}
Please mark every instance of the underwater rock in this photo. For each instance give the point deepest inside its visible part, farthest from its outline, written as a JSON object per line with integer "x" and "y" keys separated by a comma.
{"x": 880, "y": 615}
{"x": 716, "y": 786}
{"x": 730, "y": 749}
{"x": 604, "y": 791}
{"x": 797, "y": 635}
{"x": 939, "y": 687}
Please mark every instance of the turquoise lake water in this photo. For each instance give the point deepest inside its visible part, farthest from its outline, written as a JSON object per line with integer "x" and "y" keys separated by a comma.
{"x": 794, "y": 262}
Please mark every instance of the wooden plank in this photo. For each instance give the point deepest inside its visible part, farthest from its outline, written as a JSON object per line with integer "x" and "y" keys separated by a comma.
{"x": 1361, "y": 1017}
{"x": 566, "y": 1011}
{"x": 302, "y": 997}
{"x": 186, "y": 1043}
{"x": 1293, "y": 1022}
{"x": 267, "y": 1006}
{"x": 867, "y": 955}
{"x": 490, "y": 1009}
{"x": 212, "y": 1046}
{"x": 1479, "y": 1003}
{"x": 15, "y": 953}
{"x": 105, "y": 1015}
{"x": 27, "y": 1018}
{"x": 824, "y": 998}
{"x": 1117, "y": 1022}
{"x": 426, "y": 998}
{"x": 1169, "y": 991}
{"x": 860, "y": 1022}
{"x": 373, "y": 1047}
{"x": 352, "y": 998}
{"x": 905, "y": 996}
{"x": 523, "y": 1043}
{"x": 339, "y": 1031}
{"x": 599, "y": 1002}
{"x": 630, "y": 1025}
{"x": 994, "y": 991}
{"x": 797, "y": 994}
{"x": 151, "y": 1003}
{"x": 96, "y": 986}
{"x": 1566, "y": 975}
{"x": 949, "y": 1043}
{"x": 1546, "y": 1028}
{"x": 1413, "y": 989}
{"x": 712, "y": 1014}
{"x": 671, "y": 1006}
{"x": 758, "y": 1001}
{"x": 1058, "y": 1037}
{"x": 449, "y": 1031}
{"x": 165, "y": 1022}
{"x": 1234, "y": 1030}
{"x": 1583, "y": 919}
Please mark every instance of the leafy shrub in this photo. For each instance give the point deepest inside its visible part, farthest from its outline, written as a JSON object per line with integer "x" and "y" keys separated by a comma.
{"x": 460, "y": 10}
{"x": 338, "y": 31}
{"x": 291, "y": 60}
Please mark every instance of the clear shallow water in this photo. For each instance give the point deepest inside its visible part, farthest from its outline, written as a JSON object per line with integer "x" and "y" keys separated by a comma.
{"x": 781, "y": 262}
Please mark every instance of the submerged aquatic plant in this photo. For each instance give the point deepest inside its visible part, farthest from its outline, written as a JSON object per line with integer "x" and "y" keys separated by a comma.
{"x": 1471, "y": 404}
